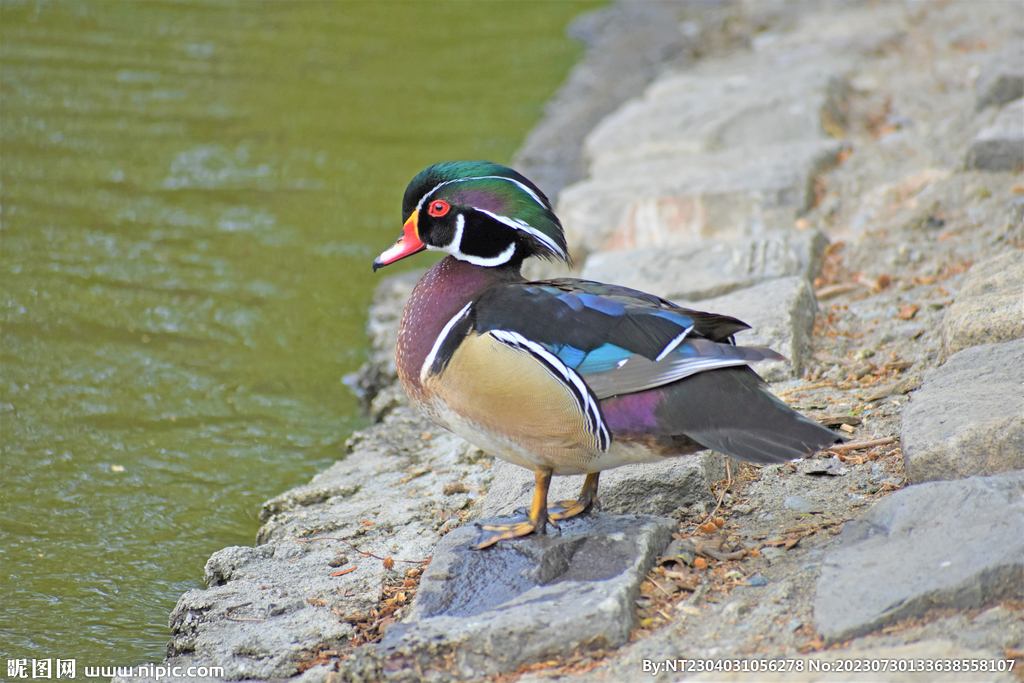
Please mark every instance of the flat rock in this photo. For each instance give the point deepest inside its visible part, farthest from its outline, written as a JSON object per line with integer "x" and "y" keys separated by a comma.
{"x": 261, "y": 624}
{"x": 1001, "y": 79}
{"x": 1000, "y": 147}
{"x": 626, "y": 46}
{"x": 781, "y": 316}
{"x": 485, "y": 612}
{"x": 968, "y": 416}
{"x": 268, "y": 608}
{"x": 673, "y": 200}
{"x": 711, "y": 109}
{"x": 939, "y": 545}
{"x": 989, "y": 307}
{"x": 728, "y": 148}
{"x": 653, "y": 488}
{"x": 710, "y": 268}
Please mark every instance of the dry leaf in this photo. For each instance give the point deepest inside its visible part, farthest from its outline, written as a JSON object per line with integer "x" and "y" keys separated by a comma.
{"x": 908, "y": 311}
{"x": 830, "y": 291}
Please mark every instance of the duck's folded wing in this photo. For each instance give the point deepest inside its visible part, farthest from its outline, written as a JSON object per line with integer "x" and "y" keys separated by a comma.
{"x": 713, "y": 326}
{"x": 618, "y": 340}
{"x": 637, "y": 373}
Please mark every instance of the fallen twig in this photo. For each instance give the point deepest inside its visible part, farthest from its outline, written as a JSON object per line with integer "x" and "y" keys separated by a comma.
{"x": 361, "y": 552}
{"x": 835, "y": 290}
{"x": 861, "y": 445}
{"x": 229, "y": 610}
{"x": 787, "y": 392}
{"x": 728, "y": 483}
{"x": 344, "y": 571}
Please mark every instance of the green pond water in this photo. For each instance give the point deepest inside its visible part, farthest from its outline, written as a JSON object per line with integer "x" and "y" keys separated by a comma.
{"x": 192, "y": 195}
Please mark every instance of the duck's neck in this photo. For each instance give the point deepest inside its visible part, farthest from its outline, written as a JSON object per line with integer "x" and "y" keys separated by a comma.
{"x": 442, "y": 293}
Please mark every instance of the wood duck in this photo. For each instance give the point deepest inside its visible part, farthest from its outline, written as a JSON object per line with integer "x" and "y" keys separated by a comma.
{"x": 566, "y": 376}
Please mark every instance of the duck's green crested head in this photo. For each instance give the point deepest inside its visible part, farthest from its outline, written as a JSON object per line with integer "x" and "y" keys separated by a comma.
{"x": 479, "y": 212}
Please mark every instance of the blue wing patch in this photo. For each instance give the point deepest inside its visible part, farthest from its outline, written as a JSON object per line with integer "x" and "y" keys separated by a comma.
{"x": 604, "y": 357}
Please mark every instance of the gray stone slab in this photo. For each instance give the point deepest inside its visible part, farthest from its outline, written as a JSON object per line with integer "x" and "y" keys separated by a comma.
{"x": 968, "y": 416}
{"x": 1001, "y": 79}
{"x": 257, "y": 622}
{"x": 940, "y": 545}
{"x": 1000, "y": 147}
{"x": 677, "y": 199}
{"x": 989, "y": 308}
{"x": 727, "y": 149}
{"x": 268, "y": 607}
{"x": 781, "y": 316}
{"x": 710, "y": 268}
{"x": 485, "y": 612}
{"x": 742, "y": 102}
{"x": 653, "y": 488}
{"x": 626, "y": 45}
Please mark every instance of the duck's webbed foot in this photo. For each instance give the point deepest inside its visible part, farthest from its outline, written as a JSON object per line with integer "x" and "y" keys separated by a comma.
{"x": 570, "y": 508}
{"x": 492, "y": 533}
{"x": 535, "y": 520}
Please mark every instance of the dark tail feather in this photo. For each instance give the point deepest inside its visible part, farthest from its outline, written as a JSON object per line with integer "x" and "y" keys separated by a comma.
{"x": 731, "y": 411}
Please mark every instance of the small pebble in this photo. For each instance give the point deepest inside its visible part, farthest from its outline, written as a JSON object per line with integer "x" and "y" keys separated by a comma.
{"x": 681, "y": 549}
{"x": 798, "y": 504}
{"x": 794, "y": 625}
{"x": 743, "y": 509}
{"x": 757, "y": 580}
{"x": 337, "y": 561}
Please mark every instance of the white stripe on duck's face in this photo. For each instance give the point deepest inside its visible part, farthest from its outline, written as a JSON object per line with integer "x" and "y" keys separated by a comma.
{"x": 456, "y": 246}
{"x": 508, "y": 402}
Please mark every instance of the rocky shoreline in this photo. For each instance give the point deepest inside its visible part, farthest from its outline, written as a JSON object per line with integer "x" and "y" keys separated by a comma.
{"x": 845, "y": 177}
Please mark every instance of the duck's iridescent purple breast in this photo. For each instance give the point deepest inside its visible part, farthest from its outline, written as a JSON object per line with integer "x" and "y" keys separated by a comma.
{"x": 444, "y": 290}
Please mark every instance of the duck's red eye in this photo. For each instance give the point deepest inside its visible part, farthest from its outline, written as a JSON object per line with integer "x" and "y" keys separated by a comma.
{"x": 438, "y": 208}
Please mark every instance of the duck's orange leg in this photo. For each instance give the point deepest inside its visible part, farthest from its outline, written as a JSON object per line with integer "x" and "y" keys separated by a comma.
{"x": 537, "y": 519}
